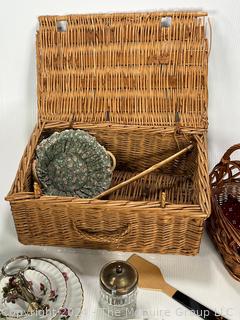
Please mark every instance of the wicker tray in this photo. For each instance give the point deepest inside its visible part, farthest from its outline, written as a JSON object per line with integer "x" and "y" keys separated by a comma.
{"x": 138, "y": 82}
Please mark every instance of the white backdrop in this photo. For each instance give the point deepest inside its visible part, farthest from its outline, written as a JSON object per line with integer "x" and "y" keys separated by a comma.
{"x": 18, "y": 22}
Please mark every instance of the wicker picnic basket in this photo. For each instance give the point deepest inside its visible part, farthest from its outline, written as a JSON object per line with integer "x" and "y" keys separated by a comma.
{"x": 225, "y": 182}
{"x": 138, "y": 83}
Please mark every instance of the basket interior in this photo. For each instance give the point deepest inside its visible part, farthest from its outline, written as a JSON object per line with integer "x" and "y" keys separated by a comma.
{"x": 137, "y": 149}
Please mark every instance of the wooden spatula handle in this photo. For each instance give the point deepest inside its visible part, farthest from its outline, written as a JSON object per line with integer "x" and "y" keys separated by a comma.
{"x": 196, "y": 307}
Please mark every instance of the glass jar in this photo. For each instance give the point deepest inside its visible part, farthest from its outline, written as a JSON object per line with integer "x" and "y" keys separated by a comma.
{"x": 118, "y": 290}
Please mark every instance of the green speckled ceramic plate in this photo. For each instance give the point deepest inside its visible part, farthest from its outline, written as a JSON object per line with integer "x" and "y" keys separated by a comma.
{"x": 73, "y": 163}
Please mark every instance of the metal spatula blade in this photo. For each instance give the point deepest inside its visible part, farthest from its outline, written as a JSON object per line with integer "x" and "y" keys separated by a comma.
{"x": 150, "y": 277}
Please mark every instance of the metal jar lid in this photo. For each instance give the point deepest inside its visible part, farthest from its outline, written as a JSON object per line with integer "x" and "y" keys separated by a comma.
{"x": 118, "y": 278}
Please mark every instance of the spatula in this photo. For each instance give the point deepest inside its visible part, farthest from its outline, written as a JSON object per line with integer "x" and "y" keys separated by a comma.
{"x": 150, "y": 277}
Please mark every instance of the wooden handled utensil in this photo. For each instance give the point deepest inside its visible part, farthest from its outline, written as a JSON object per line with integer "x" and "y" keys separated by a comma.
{"x": 150, "y": 277}
{"x": 145, "y": 172}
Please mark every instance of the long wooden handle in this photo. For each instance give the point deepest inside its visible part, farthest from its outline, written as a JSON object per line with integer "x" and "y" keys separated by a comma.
{"x": 144, "y": 173}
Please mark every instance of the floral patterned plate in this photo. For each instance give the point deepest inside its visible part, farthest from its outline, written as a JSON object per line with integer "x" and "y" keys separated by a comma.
{"x": 48, "y": 282}
{"x": 74, "y": 301}
{"x": 73, "y": 163}
{"x": 13, "y": 307}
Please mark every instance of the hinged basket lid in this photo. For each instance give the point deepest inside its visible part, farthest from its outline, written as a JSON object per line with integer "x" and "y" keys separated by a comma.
{"x": 129, "y": 69}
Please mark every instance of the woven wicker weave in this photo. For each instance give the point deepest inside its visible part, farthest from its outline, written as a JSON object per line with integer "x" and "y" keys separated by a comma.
{"x": 140, "y": 87}
{"x": 225, "y": 181}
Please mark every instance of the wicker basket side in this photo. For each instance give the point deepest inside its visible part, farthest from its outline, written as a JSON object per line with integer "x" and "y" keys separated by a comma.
{"x": 224, "y": 182}
{"x": 176, "y": 229}
{"x": 22, "y": 186}
{"x": 201, "y": 177}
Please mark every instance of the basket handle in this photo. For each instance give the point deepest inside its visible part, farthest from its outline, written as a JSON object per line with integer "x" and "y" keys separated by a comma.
{"x": 104, "y": 237}
{"x": 226, "y": 170}
{"x": 227, "y": 155}
{"x": 114, "y": 161}
{"x": 34, "y": 172}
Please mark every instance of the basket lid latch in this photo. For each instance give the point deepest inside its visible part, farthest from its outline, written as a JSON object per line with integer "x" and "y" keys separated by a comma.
{"x": 177, "y": 128}
{"x": 71, "y": 121}
{"x": 107, "y": 115}
{"x": 177, "y": 122}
